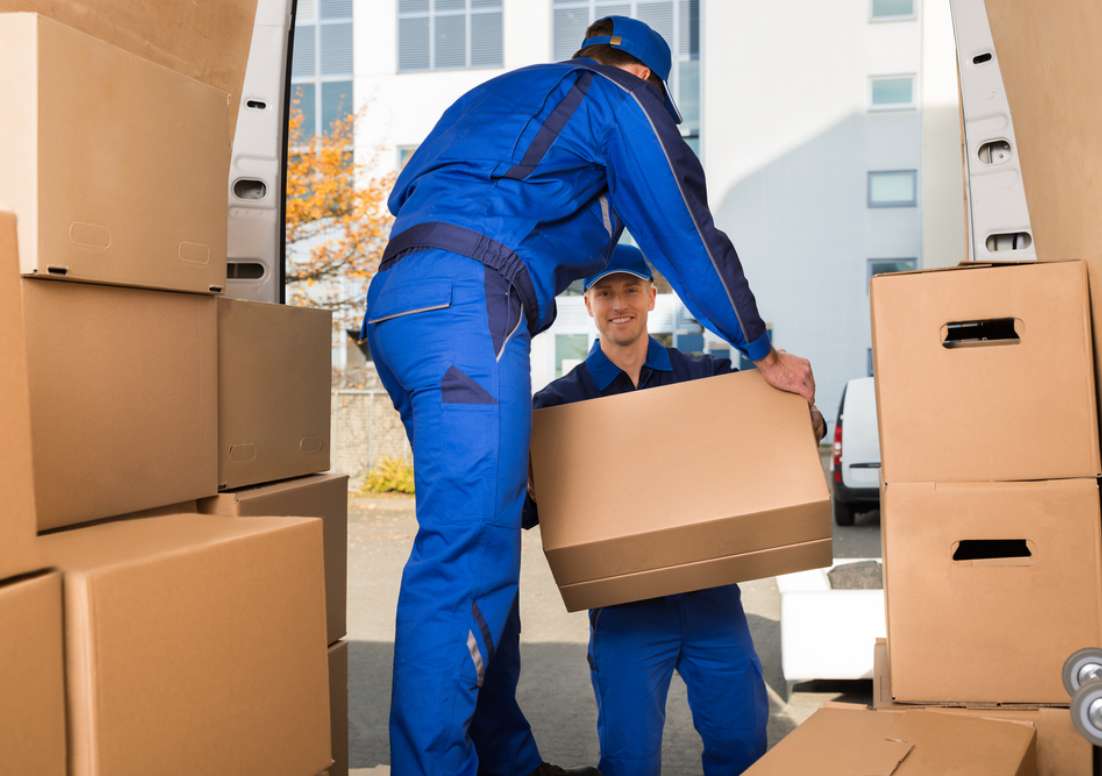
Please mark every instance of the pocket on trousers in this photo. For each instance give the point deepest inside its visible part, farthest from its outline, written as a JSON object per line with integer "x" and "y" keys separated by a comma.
{"x": 408, "y": 298}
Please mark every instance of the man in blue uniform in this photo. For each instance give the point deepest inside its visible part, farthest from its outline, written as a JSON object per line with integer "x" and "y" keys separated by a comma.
{"x": 524, "y": 185}
{"x": 635, "y": 648}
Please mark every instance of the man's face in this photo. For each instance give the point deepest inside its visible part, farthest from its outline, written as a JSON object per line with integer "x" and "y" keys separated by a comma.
{"x": 619, "y": 305}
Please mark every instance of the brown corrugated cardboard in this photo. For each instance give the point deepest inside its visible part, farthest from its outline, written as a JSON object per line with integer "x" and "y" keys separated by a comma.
{"x": 122, "y": 390}
{"x": 115, "y": 166}
{"x": 953, "y": 406}
{"x": 322, "y": 495}
{"x": 1061, "y": 750}
{"x": 626, "y": 535}
{"x": 196, "y": 643}
{"x": 207, "y": 40}
{"x": 990, "y": 586}
{"x": 274, "y": 362}
{"x": 338, "y": 706}
{"x": 846, "y": 742}
{"x": 32, "y": 702}
{"x": 18, "y": 552}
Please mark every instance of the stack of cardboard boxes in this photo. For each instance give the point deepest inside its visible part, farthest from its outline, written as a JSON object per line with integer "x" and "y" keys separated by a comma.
{"x": 149, "y": 623}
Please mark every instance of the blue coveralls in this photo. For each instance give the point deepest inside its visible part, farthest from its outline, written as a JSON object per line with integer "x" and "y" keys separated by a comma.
{"x": 635, "y": 648}
{"x": 524, "y": 185}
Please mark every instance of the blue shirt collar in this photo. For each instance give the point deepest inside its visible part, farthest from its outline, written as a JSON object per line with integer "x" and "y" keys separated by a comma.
{"x": 603, "y": 371}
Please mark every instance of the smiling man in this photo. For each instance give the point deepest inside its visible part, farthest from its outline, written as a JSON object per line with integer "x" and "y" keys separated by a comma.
{"x": 635, "y": 648}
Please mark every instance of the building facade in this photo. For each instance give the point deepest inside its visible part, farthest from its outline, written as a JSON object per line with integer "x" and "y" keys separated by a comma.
{"x": 828, "y": 132}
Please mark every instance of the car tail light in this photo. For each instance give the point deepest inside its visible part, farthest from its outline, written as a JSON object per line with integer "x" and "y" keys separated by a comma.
{"x": 836, "y": 459}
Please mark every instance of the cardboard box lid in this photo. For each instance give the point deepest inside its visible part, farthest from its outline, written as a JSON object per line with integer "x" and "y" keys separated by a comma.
{"x": 197, "y": 642}
{"x": 844, "y": 742}
{"x": 967, "y": 413}
{"x": 733, "y": 429}
{"x": 970, "y": 621}
{"x": 207, "y": 40}
{"x": 32, "y": 704}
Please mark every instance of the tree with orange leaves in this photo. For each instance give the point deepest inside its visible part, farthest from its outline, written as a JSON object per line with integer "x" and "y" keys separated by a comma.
{"x": 337, "y": 221}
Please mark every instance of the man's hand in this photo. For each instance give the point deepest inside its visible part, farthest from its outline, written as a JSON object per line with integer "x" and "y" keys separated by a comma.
{"x": 788, "y": 373}
{"x": 818, "y": 423}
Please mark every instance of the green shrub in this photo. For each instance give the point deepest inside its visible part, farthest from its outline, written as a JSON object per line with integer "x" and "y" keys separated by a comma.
{"x": 390, "y": 475}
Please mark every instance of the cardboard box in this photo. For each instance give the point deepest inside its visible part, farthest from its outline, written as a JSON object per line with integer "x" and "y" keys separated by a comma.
{"x": 842, "y": 741}
{"x": 115, "y": 166}
{"x": 954, "y": 406}
{"x": 207, "y": 40}
{"x": 338, "y": 706}
{"x": 322, "y": 495}
{"x": 196, "y": 643}
{"x": 274, "y": 362}
{"x": 1061, "y": 750}
{"x": 626, "y": 535}
{"x": 121, "y": 384}
{"x": 32, "y": 703}
{"x": 990, "y": 586}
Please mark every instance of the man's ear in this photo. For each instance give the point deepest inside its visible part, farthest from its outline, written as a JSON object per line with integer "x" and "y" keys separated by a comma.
{"x": 588, "y": 309}
{"x": 637, "y": 70}
{"x": 653, "y": 296}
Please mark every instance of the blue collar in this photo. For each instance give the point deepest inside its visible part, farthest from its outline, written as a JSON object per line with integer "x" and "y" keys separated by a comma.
{"x": 603, "y": 371}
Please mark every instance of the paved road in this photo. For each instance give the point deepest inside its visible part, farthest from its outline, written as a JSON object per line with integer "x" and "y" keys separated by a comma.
{"x": 554, "y": 690}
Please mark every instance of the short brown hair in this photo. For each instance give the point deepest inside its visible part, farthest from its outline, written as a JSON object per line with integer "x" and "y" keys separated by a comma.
{"x": 610, "y": 55}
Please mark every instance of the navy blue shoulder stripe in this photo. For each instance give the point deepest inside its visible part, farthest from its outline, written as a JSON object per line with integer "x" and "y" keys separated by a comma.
{"x": 689, "y": 175}
{"x": 551, "y": 128}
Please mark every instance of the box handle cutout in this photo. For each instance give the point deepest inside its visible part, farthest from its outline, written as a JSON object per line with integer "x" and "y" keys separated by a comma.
{"x": 249, "y": 188}
{"x": 256, "y": 104}
{"x": 1009, "y": 241}
{"x": 992, "y": 331}
{"x": 991, "y": 549}
{"x": 981, "y": 59}
{"x": 55, "y": 270}
{"x": 244, "y": 270}
{"x": 995, "y": 152}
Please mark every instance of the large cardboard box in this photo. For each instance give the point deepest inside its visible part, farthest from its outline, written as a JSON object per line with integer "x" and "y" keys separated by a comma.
{"x": 613, "y": 528}
{"x": 274, "y": 362}
{"x": 990, "y": 586}
{"x": 121, "y": 387}
{"x": 32, "y": 698}
{"x": 849, "y": 741}
{"x": 196, "y": 643}
{"x": 115, "y": 166}
{"x": 985, "y": 373}
{"x": 207, "y": 40}
{"x": 1061, "y": 750}
{"x": 321, "y": 495}
{"x": 338, "y": 706}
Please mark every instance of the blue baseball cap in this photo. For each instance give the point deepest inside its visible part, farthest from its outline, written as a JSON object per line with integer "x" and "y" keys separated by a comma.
{"x": 626, "y": 259}
{"x": 636, "y": 38}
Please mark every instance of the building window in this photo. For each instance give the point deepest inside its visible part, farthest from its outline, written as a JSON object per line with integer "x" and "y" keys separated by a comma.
{"x": 893, "y": 188}
{"x": 404, "y": 154}
{"x": 321, "y": 72}
{"x": 678, "y": 21}
{"x": 885, "y": 266}
{"x": 449, "y": 34}
{"x": 891, "y": 92}
{"x": 892, "y": 10}
{"x": 570, "y": 350}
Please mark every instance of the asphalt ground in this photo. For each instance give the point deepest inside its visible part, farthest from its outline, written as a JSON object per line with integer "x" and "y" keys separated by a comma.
{"x": 555, "y": 690}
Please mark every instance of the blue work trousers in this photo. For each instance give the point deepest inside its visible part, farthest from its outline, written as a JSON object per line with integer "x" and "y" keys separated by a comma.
{"x": 634, "y": 650}
{"x": 448, "y": 340}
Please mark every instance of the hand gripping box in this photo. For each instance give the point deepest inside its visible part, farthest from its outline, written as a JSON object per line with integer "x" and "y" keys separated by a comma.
{"x": 985, "y": 373}
{"x": 195, "y": 643}
{"x": 990, "y": 587}
{"x": 843, "y": 741}
{"x": 1061, "y": 749}
{"x": 678, "y": 488}
{"x": 117, "y": 167}
{"x": 274, "y": 388}
{"x": 321, "y": 495}
{"x": 32, "y": 681}
{"x": 120, "y": 398}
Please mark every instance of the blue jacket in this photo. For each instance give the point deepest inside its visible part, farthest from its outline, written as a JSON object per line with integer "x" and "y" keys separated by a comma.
{"x": 551, "y": 162}
{"x": 597, "y": 376}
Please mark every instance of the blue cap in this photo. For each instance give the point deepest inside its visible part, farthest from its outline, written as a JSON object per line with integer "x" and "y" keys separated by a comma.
{"x": 636, "y": 38}
{"x": 625, "y": 259}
